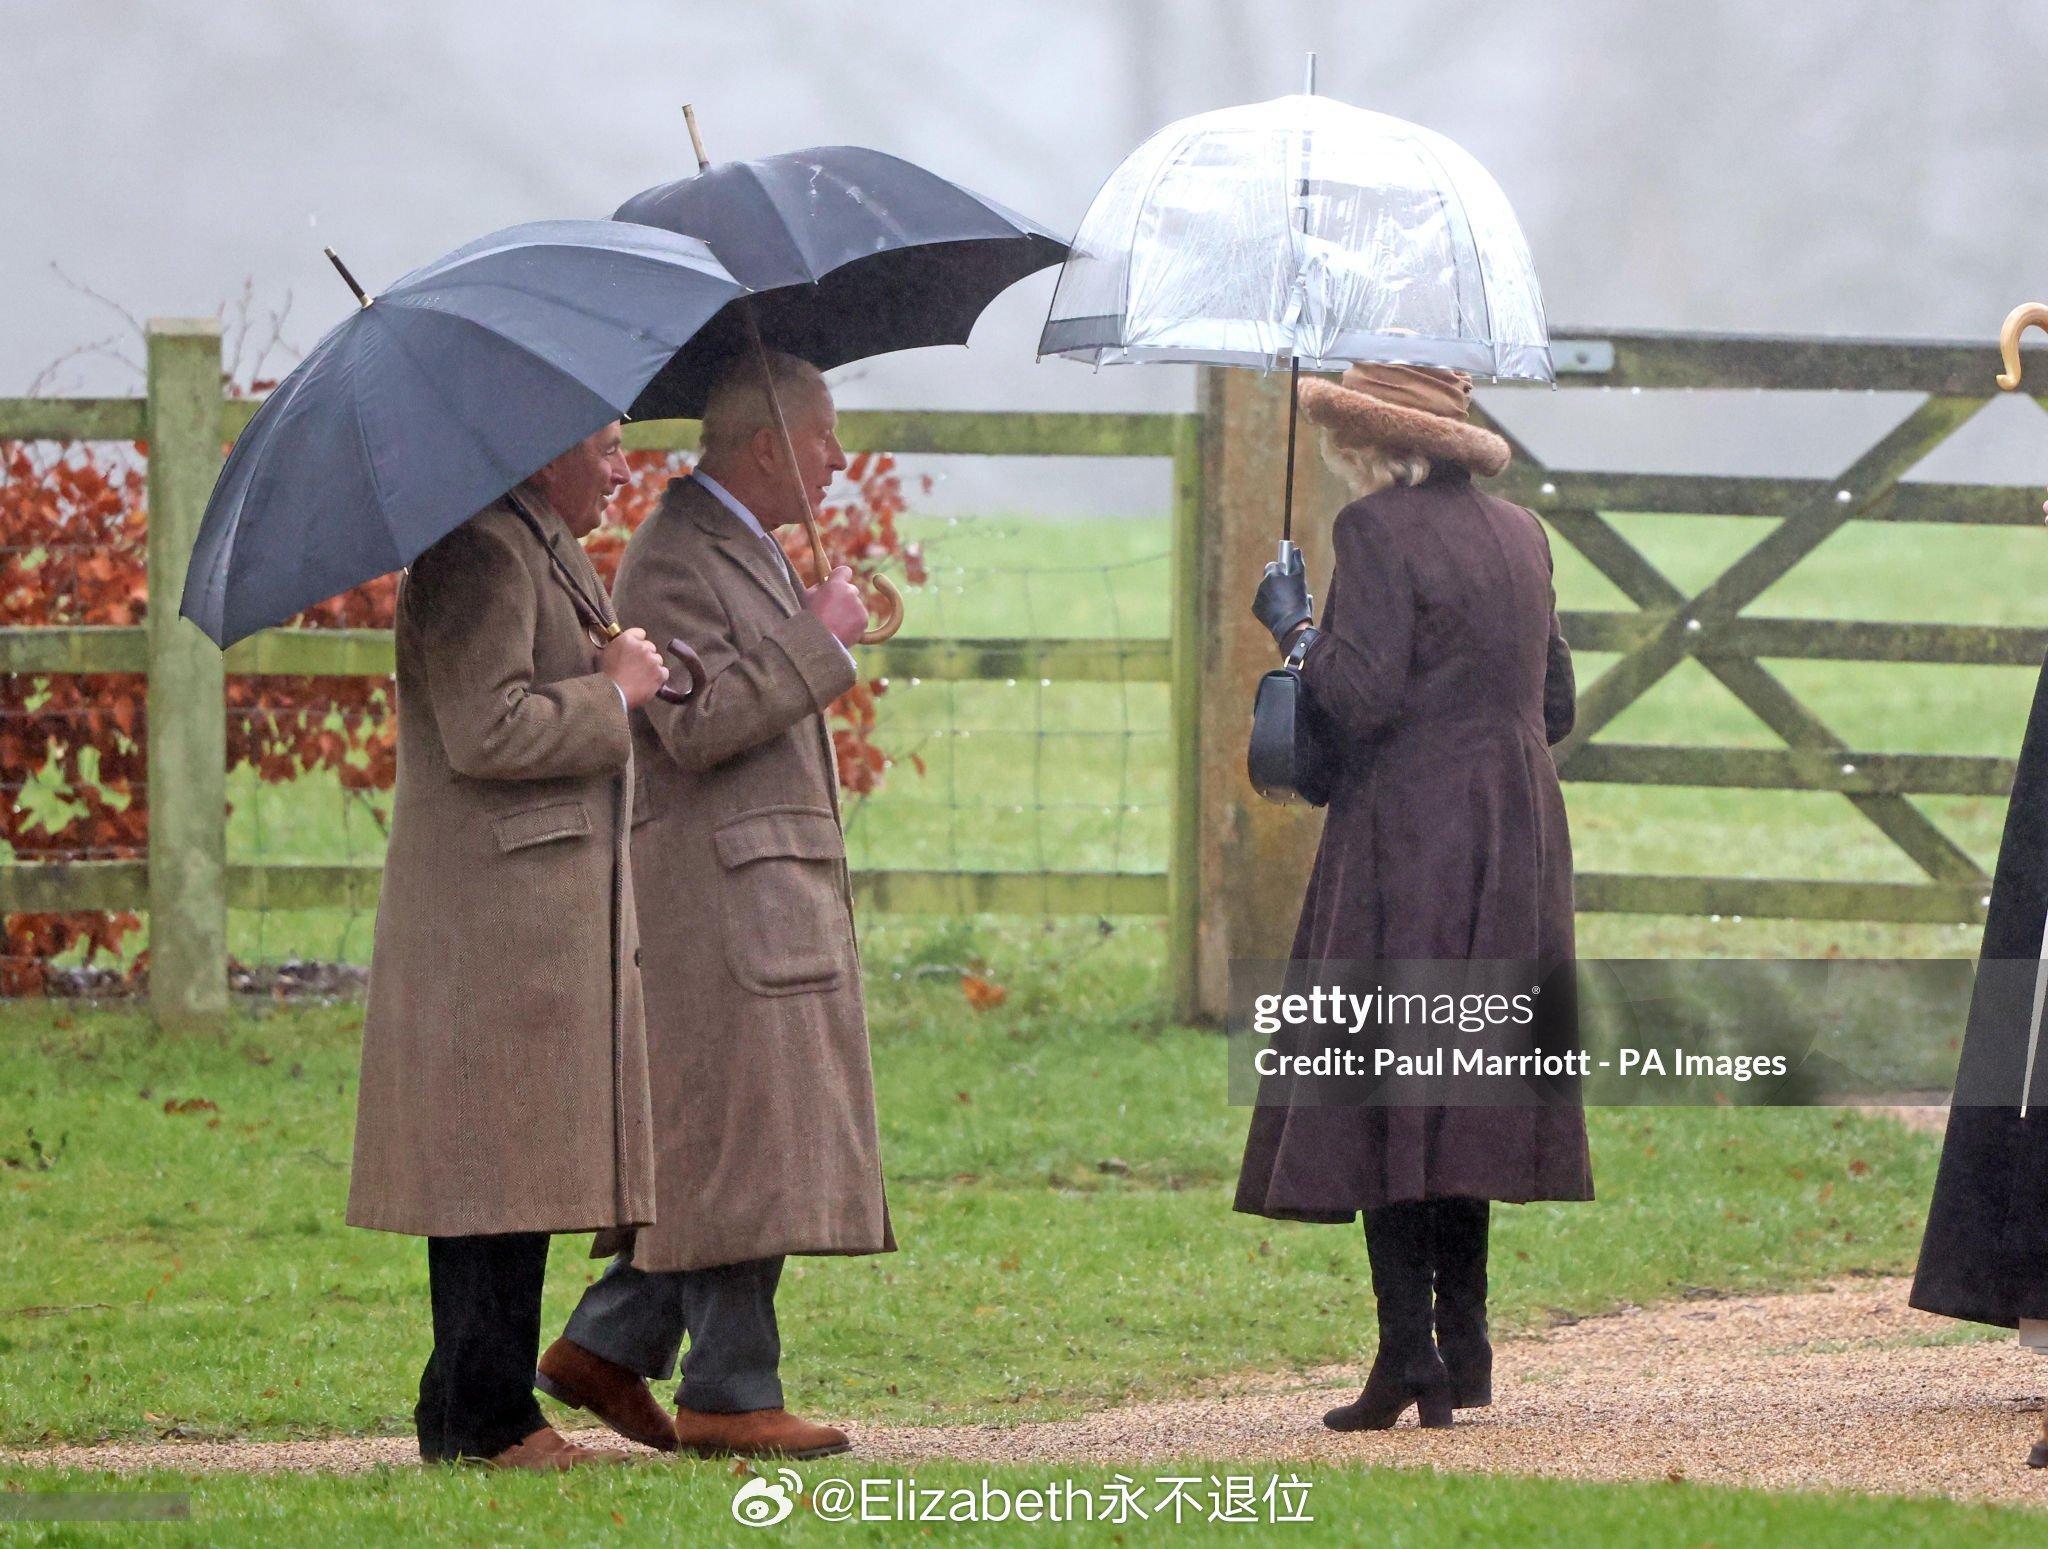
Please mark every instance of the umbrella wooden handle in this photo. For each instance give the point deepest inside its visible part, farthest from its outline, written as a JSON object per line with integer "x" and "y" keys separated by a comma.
{"x": 891, "y": 618}
{"x": 693, "y": 665}
{"x": 2028, "y": 314}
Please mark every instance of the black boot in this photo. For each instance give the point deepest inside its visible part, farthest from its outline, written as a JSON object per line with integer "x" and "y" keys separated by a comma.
{"x": 1460, "y": 1252}
{"x": 1407, "y": 1369}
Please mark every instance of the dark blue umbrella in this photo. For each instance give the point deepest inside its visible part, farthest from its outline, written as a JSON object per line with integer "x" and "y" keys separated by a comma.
{"x": 435, "y": 398}
{"x": 849, "y": 253}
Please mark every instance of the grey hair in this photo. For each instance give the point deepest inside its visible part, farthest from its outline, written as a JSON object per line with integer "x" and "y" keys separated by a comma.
{"x": 737, "y": 406}
{"x": 1368, "y": 468}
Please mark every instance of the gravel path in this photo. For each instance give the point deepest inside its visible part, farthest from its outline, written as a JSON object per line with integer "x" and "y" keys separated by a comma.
{"x": 1836, "y": 1389}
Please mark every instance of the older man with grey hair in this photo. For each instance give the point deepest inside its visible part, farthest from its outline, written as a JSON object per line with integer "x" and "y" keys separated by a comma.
{"x": 764, "y": 1110}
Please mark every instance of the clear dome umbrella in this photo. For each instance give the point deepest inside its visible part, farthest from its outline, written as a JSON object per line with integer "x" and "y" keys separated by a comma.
{"x": 1303, "y": 232}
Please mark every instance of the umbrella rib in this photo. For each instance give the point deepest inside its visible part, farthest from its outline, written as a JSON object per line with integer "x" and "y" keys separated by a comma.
{"x": 671, "y": 346}
{"x": 213, "y": 597}
{"x": 355, "y": 401}
{"x": 564, "y": 302}
{"x": 1445, "y": 180}
{"x": 478, "y": 441}
{"x": 1165, "y": 165}
{"x": 282, "y": 399}
{"x": 777, "y": 224}
{"x": 1298, "y": 259}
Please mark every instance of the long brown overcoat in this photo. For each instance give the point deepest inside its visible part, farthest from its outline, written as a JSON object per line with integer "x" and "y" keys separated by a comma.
{"x": 764, "y": 1104}
{"x": 1440, "y": 680}
{"x": 504, "y": 1083}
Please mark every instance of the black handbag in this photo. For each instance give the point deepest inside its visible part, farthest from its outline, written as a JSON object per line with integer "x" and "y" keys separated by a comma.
{"x": 1285, "y": 759}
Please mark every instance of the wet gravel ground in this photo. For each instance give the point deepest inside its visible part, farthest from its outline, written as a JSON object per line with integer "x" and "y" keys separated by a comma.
{"x": 1839, "y": 1389}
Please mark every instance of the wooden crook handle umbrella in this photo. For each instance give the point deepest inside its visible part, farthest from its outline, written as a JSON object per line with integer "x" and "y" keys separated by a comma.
{"x": 2028, "y": 314}
{"x": 891, "y": 618}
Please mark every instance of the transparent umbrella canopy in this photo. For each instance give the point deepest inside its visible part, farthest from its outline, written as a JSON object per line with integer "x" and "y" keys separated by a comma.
{"x": 1301, "y": 231}
{"x": 1306, "y": 232}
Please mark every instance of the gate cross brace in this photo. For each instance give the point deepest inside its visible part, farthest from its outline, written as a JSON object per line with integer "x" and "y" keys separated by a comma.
{"x": 1681, "y": 625}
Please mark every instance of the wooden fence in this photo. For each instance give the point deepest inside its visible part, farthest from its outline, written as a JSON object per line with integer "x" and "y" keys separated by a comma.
{"x": 186, "y": 883}
{"x": 1229, "y": 856}
{"x": 1710, "y": 626}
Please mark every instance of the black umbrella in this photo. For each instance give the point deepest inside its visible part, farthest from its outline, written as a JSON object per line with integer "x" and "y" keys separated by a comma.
{"x": 850, "y": 253}
{"x": 435, "y": 398}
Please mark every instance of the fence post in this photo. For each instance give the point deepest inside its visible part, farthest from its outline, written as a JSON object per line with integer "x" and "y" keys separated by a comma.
{"x": 1190, "y": 615}
{"x": 188, "y": 982}
{"x": 1251, "y": 858}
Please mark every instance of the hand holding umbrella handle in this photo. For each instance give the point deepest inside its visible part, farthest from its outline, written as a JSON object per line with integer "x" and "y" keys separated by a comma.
{"x": 2028, "y": 314}
{"x": 692, "y": 664}
{"x": 891, "y": 618}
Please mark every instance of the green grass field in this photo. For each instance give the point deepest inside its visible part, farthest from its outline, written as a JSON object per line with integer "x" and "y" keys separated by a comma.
{"x": 1060, "y": 1170}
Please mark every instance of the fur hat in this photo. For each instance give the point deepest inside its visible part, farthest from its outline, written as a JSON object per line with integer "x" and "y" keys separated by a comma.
{"x": 1405, "y": 409}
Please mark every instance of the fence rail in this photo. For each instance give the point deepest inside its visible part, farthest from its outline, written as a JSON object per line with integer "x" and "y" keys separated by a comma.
{"x": 187, "y": 884}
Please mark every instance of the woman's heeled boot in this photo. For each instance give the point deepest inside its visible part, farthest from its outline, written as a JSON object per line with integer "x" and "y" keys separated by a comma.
{"x": 1406, "y": 1370}
{"x": 1460, "y": 1255}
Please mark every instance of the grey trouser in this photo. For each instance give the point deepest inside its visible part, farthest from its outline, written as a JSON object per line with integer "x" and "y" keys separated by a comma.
{"x": 637, "y": 1319}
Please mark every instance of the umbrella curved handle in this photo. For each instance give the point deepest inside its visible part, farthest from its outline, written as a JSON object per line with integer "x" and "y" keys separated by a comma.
{"x": 892, "y": 613}
{"x": 692, "y": 664}
{"x": 2028, "y": 314}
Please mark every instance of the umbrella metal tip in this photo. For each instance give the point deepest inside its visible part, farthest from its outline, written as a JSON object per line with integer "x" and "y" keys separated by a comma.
{"x": 340, "y": 268}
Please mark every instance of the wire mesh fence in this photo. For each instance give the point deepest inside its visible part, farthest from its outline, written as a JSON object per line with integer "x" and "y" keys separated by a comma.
{"x": 1033, "y": 772}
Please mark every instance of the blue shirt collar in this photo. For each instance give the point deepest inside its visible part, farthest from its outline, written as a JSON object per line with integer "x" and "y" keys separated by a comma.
{"x": 726, "y": 498}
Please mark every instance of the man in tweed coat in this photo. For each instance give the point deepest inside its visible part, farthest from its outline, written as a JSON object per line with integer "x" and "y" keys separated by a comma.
{"x": 504, "y": 1088}
{"x": 764, "y": 1107}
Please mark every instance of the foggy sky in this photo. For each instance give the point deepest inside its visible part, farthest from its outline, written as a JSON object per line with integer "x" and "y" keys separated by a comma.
{"x": 1723, "y": 164}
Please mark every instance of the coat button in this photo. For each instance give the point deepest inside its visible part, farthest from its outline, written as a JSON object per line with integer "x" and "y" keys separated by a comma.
{"x": 636, "y": 957}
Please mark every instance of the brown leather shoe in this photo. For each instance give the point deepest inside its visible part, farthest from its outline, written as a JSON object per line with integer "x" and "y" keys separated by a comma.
{"x": 547, "y": 1451}
{"x": 574, "y": 1376}
{"x": 756, "y": 1433}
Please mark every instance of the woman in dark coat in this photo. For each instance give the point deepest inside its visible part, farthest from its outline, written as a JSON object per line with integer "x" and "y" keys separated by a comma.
{"x": 1985, "y": 1256}
{"x": 1438, "y": 679}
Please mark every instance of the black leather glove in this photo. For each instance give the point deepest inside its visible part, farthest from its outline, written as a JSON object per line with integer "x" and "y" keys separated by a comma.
{"x": 1282, "y": 602}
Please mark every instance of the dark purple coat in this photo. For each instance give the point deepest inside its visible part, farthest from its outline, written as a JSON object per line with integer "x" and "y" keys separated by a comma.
{"x": 1441, "y": 679}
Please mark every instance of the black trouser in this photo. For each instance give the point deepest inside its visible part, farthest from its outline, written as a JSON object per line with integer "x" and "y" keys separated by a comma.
{"x": 476, "y": 1395}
